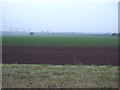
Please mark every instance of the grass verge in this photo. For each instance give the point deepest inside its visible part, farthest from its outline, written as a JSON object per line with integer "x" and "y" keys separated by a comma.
{"x": 59, "y": 76}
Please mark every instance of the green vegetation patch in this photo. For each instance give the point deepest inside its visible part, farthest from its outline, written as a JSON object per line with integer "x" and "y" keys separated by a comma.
{"x": 65, "y": 41}
{"x": 59, "y": 76}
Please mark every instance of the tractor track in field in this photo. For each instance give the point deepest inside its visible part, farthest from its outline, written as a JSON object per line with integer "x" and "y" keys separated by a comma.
{"x": 60, "y": 55}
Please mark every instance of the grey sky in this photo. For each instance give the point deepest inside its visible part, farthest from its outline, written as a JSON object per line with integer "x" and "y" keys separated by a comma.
{"x": 61, "y": 16}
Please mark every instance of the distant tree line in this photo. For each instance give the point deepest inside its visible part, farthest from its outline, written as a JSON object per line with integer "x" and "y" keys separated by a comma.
{"x": 112, "y": 34}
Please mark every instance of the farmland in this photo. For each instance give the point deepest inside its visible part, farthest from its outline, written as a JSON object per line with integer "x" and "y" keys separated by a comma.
{"x": 60, "y": 62}
{"x": 60, "y": 41}
{"x": 60, "y": 50}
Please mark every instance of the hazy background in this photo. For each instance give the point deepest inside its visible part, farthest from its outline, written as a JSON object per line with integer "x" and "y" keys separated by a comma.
{"x": 60, "y": 16}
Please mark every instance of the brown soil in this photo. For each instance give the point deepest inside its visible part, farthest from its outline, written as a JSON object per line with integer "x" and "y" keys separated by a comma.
{"x": 60, "y": 55}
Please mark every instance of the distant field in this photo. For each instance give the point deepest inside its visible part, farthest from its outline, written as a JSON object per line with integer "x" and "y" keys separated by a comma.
{"x": 69, "y": 41}
{"x": 59, "y": 50}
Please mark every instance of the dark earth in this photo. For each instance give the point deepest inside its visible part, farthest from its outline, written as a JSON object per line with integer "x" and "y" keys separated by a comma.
{"x": 60, "y": 55}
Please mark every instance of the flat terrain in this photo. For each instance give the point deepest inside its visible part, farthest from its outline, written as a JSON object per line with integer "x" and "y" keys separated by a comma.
{"x": 60, "y": 55}
{"x": 60, "y": 41}
{"x": 60, "y": 50}
{"x": 59, "y": 76}
{"x": 25, "y": 60}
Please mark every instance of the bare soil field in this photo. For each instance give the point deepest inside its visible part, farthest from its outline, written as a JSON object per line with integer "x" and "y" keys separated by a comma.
{"x": 60, "y": 55}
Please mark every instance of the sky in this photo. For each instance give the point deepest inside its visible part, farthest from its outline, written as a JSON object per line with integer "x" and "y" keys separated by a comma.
{"x": 60, "y": 15}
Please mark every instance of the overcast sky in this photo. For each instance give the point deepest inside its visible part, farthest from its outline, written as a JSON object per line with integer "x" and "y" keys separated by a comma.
{"x": 75, "y": 16}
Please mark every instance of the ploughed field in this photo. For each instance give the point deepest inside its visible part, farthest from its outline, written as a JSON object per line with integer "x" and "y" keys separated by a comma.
{"x": 58, "y": 50}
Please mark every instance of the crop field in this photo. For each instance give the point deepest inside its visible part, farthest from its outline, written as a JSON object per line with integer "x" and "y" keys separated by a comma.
{"x": 60, "y": 62}
{"x": 60, "y": 41}
{"x": 60, "y": 50}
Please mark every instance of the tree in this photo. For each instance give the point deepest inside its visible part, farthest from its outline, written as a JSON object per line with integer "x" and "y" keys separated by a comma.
{"x": 31, "y": 33}
{"x": 114, "y": 34}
